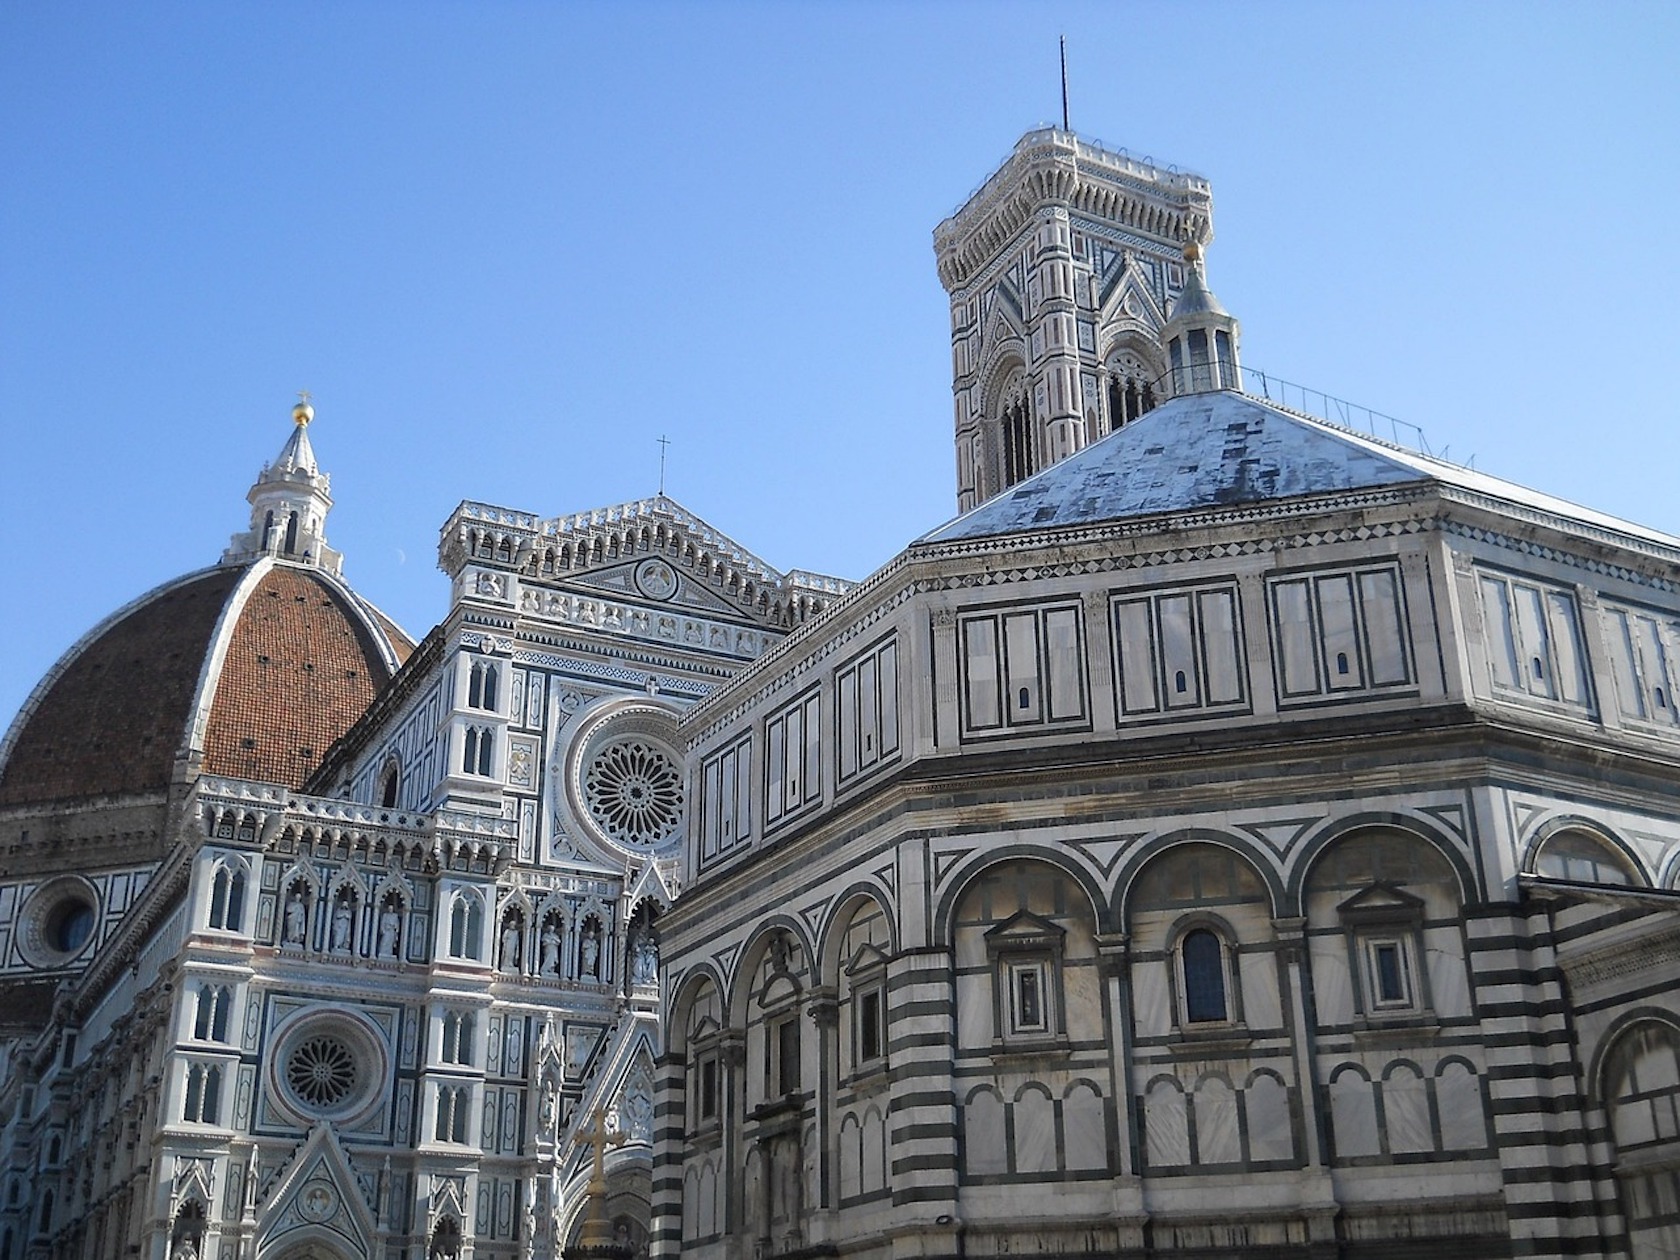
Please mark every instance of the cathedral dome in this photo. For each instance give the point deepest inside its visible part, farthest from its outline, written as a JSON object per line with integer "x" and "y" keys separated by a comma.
{"x": 250, "y": 669}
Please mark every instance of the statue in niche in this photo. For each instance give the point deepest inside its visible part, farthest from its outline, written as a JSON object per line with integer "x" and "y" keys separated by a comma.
{"x": 644, "y": 963}
{"x": 388, "y": 924}
{"x": 549, "y": 1109}
{"x": 341, "y": 924}
{"x": 589, "y": 952}
{"x": 548, "y": 956}
{"x": 510, "y": 945}
{"x": 183, "y": 1249}
{"x": 296, "y": 915}
{"x": 490, "y": 584}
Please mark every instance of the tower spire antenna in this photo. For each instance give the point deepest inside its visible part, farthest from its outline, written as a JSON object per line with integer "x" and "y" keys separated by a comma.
{"x": 1065, "y": 126}
{"x": 663, "y": 443}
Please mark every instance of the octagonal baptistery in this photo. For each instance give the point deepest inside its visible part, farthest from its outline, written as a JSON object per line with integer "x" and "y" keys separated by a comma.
{"x": 1243, "y": 836}
{"x": 249, "y": 669}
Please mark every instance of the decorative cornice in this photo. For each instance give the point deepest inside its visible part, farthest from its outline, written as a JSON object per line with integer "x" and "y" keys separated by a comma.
{"x": 1055, "y": 166}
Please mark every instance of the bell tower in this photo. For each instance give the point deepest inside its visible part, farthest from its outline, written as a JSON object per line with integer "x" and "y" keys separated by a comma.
{"x": 1061, "y": 269}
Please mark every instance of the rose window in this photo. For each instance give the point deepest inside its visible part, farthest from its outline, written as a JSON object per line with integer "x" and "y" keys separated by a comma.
{"x": 634, "y": 792}
{"x": 321, "y": 1071}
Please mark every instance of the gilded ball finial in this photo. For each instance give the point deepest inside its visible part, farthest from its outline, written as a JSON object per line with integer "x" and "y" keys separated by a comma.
{"x": 1193, "y": 251}
{"x": 302, "y": 412}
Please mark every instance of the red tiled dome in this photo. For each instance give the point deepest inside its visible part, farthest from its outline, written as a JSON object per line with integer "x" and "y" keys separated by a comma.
{"x": 294, "y": 658}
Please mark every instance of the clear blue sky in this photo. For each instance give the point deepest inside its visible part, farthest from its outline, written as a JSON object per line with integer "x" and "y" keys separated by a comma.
{"x": 507, "y": 246}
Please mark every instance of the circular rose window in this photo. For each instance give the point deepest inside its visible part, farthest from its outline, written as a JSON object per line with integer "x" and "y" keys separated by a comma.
{"x": 328, "y": 1064}
{"x": 634, "y": 792}
{"x": 321, "y": 1071}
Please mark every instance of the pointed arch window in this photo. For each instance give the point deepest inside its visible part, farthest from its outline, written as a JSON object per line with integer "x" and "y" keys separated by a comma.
{"x": 1130, "y": 396}
{"x": 458, "y": 1037}
{"x": 452, "y": 1114}
{"x": 227, "y": 898}
{"x": 291, "y": 533}
{"x": 466, "y": 926}
{"x": 481, "y": 685}
{"x": 475, "y": 750}
{"x": 204, "y": 1094}
{"x": 1020, "y": 444}
{"x": 210, "y": 1021}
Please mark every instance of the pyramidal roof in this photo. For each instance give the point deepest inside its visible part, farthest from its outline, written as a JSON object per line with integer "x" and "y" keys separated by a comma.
{"x": 1213, "y": 450}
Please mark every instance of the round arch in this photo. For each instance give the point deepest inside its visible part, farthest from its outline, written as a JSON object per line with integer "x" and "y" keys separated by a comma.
{"x": 1315, "y": 846}
{"x": 1146, "y": 854}
{"x": 738, "y": 995}
{"x": 1597, "y": 832}
{"x": 966, "y": 872}
{"x": 831, "y": 934}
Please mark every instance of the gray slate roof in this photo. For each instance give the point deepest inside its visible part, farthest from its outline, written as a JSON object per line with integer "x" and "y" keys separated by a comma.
{"x": 1214, "y": 450}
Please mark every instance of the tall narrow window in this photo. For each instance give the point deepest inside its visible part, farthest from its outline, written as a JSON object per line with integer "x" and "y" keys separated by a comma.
{"x": 291, "y": 533}
{"x": 466, "y": 924}
{"x": 1202, "y": 955}
{"x": 458, "y": 1037}
{"x": 481, "y": 686}
{"x": 475, "y": 750}
{"x": 785, "y": 1037}
{"x": 708, "y": 1103}
{"x": 204, "y": 1092}
{"x": 211, "y": 1018}
{"x": 1020, "y": 448}
{"x": 871, "y": 1042}
{"x": 227, "y": 898}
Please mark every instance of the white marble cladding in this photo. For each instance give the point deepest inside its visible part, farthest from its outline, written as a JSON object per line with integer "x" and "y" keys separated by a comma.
{"x": 1113, "y": 639}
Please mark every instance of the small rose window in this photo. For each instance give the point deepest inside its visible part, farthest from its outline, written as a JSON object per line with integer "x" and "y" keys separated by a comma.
{"x": 321, "y": 1071}
{"x": 634, "y": 792}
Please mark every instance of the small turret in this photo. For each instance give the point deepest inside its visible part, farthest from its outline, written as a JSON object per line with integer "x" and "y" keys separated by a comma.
{"x": 1201, "y": 335}
{"x": 289, "y": 504}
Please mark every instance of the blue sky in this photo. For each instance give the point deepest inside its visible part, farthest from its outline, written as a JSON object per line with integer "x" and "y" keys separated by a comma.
{"x": 507, "y": 246}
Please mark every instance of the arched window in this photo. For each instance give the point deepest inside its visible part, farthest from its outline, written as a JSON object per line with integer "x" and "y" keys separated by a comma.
{"x": 1642, "y": 1097}
{"x": 466, "y": 926}
{"x": 227, "y": 898}
{"x": 388, "y": 787}
{"x": 1582, "y": 858}
{"x": 268, "y": 530}
{"x": 291, "y": 533}
{"x": 1020, "y": 441}
{"x": 1202, "y": 969}
{"x": 446, "y": 1240}
{"x": 458, "y": 1037}
{"x": 204, "y": 1093}
{"x": 475, "y": 750}
{"x": 210, "y": 1022}
{"x": 481, "y": 686}
{"x": 451, "y": 1114}
{"x": 1129, "y": 396}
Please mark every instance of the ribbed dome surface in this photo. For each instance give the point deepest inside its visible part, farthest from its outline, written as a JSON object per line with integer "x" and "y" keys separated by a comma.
{"x": 295, "y": 665}
{"x": 113, "y": 720}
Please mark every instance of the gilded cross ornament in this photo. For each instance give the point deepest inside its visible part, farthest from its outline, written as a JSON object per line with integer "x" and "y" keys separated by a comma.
{"x": 597, "y": 1232}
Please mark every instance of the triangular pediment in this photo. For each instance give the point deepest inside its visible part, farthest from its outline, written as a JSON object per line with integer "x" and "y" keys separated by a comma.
{"x": 1381, "y": 903}
{"x": 869, "y": 957}
{"x": 318, "y": 1198}
{"x": 1024, "y": 930}
{"x": 656, "y": 555}
{"x": 670, "y": 588}
{"x": 1131, "y": 302}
